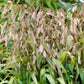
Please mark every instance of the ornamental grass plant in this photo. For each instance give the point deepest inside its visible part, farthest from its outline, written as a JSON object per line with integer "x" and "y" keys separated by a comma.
{"x": 38, "y": 46}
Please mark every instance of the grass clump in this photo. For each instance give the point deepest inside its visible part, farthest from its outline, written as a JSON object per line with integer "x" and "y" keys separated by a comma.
{"x": 40, "y": 47}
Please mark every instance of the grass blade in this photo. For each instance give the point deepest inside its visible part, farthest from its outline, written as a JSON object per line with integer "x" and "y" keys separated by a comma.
{"x": 49, "y": 77}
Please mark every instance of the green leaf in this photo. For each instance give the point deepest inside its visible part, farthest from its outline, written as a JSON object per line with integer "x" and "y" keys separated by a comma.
{"x": 0, "y": 79}
{"x": 71, "y": 82}
{"x": 62, "y": 57}
{"x": 77, "y": 69}
{"x": 61, "y": 80}
{"x": 49, "y": 61}
{"x": 4, "y": 82}
{"x": 79, "y": 57}
{"x": 82, "y": 36}
{"x": 34, "y": 78}
{"x": 58, "y": 63}
{"x": 42, "y": 72}
{"x": 11, "y": 80}
{"x": 49, "y": 77}
{"x": 42, "y": 77}
{"x": 72, "y": 62}
{"x": 37, "y": 3}
{"x": 82, "y": 77}
{"x": 29, "y": 78}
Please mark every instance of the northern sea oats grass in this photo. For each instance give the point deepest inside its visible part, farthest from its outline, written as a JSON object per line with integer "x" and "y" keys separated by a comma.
{"x": 40, "y": 47}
